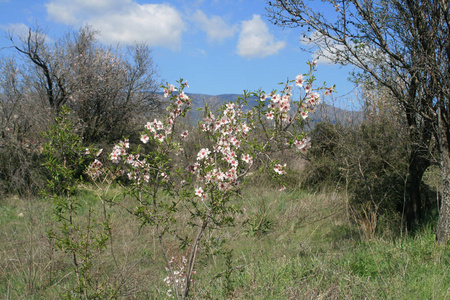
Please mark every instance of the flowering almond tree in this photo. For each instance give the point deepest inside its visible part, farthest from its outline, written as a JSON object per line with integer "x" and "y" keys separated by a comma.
{"x": 204, "y": 187}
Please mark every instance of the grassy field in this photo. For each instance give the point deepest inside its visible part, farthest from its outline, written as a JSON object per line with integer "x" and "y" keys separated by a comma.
{"x": 285, "y": 245}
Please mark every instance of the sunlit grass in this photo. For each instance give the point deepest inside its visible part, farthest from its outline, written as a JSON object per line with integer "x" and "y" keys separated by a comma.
{"x": 285, "y": 245}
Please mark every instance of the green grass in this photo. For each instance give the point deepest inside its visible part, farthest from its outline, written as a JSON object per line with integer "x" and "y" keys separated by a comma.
{"x": 287, "y": 245}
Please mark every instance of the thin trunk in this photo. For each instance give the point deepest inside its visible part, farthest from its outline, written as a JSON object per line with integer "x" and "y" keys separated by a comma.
{"x": 443, "y": 136}
{"x": 414, "y": 205}
{"x": 443, "y": 226}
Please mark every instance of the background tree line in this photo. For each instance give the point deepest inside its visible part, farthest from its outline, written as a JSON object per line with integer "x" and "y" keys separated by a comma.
{"x": 109, "y": 90}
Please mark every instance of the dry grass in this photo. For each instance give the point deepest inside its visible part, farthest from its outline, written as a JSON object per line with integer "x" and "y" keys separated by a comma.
{"x": 309, "y": 249}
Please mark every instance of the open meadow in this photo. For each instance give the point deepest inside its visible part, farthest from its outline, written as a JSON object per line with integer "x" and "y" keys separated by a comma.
{"x": 284, "y": 245}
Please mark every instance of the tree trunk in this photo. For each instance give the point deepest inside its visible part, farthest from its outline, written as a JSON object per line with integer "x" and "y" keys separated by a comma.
{"x": 443, "y": 138}
{"x": 443, "y": 226}
{"x": 414, "y": 206}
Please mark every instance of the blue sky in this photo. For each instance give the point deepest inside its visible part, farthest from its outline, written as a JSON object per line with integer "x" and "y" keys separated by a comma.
{"x": 218, "y": 46}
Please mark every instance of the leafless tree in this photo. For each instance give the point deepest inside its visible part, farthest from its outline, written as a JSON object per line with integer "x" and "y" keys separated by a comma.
{"x": 107, "y": 88}
{"x": 403, "y": 45}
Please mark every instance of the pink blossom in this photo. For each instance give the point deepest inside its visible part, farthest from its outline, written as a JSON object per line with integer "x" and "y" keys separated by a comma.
{"x": 159, "y": 137}
{"x": 184, "y": 134}
{"x": 299, "y": 80}
{"x": 247, "y": 158}
{"x": 150, "y": 127}
{"x": 146, "y": 177}
{"x": 304, "y": 114}
{"x": 280, "y": 169}
{"x": 145, "y": 138}
{"x": 199, "y": 192}
{"x": 183, "y": 96}
{"x": 303, "y": 145}
{"x": 130, "y": 159}
{"x": 164, "y": 176}
{"x": 114, "y": 157}
{"x": 203, "y": 153}
{"x": 308, "y": 88}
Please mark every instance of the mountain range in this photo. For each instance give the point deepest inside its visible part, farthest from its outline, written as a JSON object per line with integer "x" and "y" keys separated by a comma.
{"x": 324, "y": 112}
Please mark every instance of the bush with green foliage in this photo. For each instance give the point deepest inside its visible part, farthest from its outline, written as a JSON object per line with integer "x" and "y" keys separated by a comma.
{"x": 369, "y": 162}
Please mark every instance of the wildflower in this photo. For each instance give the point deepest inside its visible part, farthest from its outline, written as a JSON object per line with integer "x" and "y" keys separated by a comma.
{"x": 276, "y": 98}
{"x": 158, "y": 124}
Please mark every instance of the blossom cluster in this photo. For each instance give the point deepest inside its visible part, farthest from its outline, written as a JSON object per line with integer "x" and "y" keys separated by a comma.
{"x": 218, "y": 167}
{"x": 95, "y": 168}
{"x": 303, "y": 145}
{"x": 280, "y": 104}
{"x": 158, "y": 131}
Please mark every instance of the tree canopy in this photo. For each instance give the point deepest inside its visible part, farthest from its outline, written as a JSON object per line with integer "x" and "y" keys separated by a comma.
{"x": 402, "y": 45}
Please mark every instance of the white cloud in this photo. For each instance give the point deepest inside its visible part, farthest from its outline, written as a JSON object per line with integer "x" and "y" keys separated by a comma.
{"x": 156, "y": 24}
{"x": 327, "y": 51}
{"x": 22, "y": 31}
{"x": 255, "y": 40}
{"x": 215, "y": 27}
{"x": 17, "y": 29}
{"x": 123, "y": 21}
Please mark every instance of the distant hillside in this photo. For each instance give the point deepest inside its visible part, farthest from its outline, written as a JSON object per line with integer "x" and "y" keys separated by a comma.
{"x": 324, "y": 112}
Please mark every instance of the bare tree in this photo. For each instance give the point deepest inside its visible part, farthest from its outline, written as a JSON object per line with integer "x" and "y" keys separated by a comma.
{"x": 107, "y": 88}
{"x": 19, "y": 132}
{"x": 403, "y": 45}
